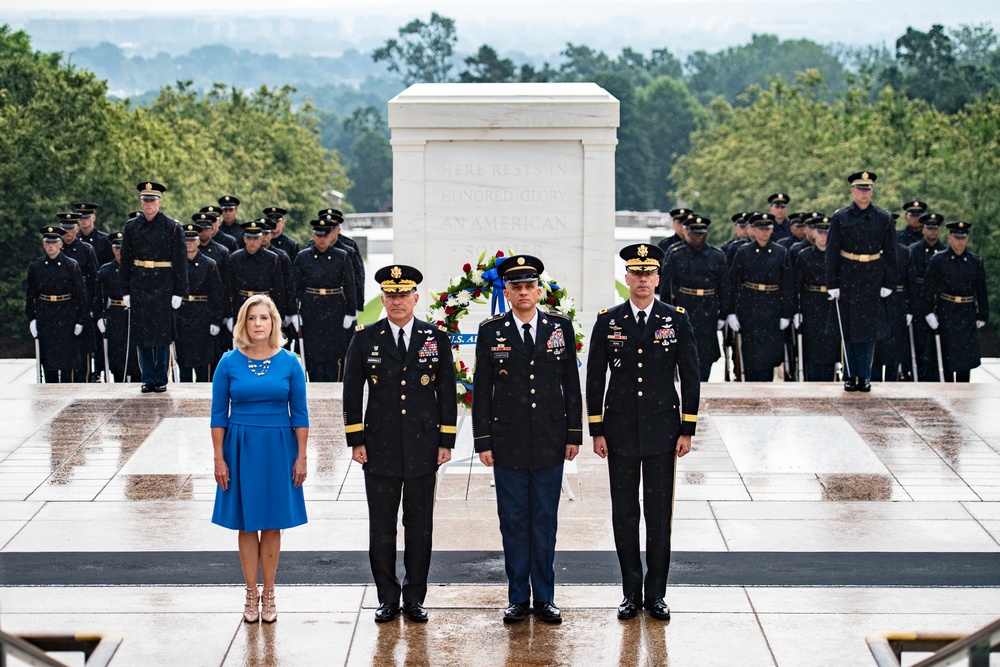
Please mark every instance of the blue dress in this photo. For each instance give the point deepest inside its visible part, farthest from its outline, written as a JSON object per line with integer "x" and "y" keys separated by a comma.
{"x": 260, "y": 448}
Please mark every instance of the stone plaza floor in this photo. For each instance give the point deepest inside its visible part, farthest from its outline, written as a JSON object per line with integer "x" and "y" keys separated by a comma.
{"x": 805, "y": 518}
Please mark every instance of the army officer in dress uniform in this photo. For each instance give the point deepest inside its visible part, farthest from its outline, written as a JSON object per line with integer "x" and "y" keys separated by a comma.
{"x": 323, "y": 286}
{"x": 230, "y": 225}
{"x": 252, "y": 270}
{"x": 860, "y": 274}
{"x": 526, "y": 420}
{"x": 821, "y": 350}
{"x": 639, "y": 424}
{"x": 763, "y": 300}
{"x": 98, "y": 240}
{"x": 199, "y": 319}
{"x": 912, "y": 232}
{"x": 407, "y": 431}
{"x": 154, "y": 277}
{"x": 56, "y": 306}
{"x": 921, "y": 253}
{"x": 955, "y": 304}
{"x": 112, "y": 317}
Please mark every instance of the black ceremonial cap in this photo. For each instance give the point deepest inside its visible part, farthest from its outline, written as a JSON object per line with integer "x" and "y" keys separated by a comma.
{"x": 275, "y": 212}
{"x": 762, "y": 220}
{"x": 779, "y": 198}
{"x": 335, "y": 212}
{"x": 863, "y": 179}
{"x": 204, "y": 220}
{"x": 324, "y": 225}
{"x": 134, "y": 214}
{"x": 679, "y": 213}
{"x": 85, "y": 208}
{"x": 253, "y": 228}
{"x": 398, "y": 278}
{"x": 521, "y": 269}
{"x": 914, "y": 206}
{"x": 740, "y": 218}
{"x": 211, "y": 209}
{"x": 116, "y": 239}
{"x": 642, "y": 257}
{"x": 191, "y": 230}
{"x": 51, "y": 232}
{"x": 150, "y": 190}
{"x": 820, "y": 222}
{"x": 228, "y": 201}
{"x": 931, "y": 220}
{"x": 697, "y": 224}
{"x": 959, "y": 229}
{"x": 795, "y": 219}
{"x": 68, "y": 218}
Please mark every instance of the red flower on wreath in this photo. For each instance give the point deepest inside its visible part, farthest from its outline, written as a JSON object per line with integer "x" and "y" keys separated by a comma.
{"x": 444, "y": 297}
{"x": 467, "y": 398}
{"x": 552, "y": 301}
{"x": 466, "y": 267}
{"x": 448, "y": 310}
{"x": 499, "y": 253}
{"x": 478, "y": 293}
{"x": 579, "y": 345}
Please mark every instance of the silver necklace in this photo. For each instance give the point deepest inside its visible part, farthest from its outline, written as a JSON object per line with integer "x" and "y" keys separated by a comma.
{"x": 258, "y": 368}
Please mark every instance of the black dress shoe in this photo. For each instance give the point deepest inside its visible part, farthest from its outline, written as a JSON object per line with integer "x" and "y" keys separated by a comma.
{"x": 548, "y": 613}
{"x": 159, "y": 388}
{"x": 629, "y": 608}
{"x": 415, "y": 612}
{"x": 864, "y": 385}
{"x": 146, "y": 387}
{"x": 851, "y": 384}
{"x": 515, "y": 612}
{"x": 386, "y": 612}
{"x": 659, "y": 610}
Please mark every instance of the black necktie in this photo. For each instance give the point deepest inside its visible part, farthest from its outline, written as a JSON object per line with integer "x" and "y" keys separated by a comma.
{"x": 642, "y": 320}
{"x": 529, "y": 342}
{"x": 401, "y": 344}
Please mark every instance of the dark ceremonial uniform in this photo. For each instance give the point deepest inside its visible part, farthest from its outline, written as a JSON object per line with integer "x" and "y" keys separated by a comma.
{"x": 526, "y": 409}
{"x": 893, "y": 351}
{"x": 410, "y": 414}
{"x": 259, "y": 273}
{"x": 763, "y": 294}
{"x": 288, "y": 307}
{"x": 923, "y": 337}
{"x": 153, "y": 269}
{"x": 323, "y": 285}
{"x": 233, "y": 231}
{"x": 108, "y": 305}
{"x": 699, "y": 282}
{"x": 955, "y": 289}
{"x": 820, "y": 348}
{"x": 56, "y": 299}
{"x": 226, "y": 241}
{"x": 358, "y": 263}
{"x": 286, "y": 243}
{"x": 907, "y": 237}
{"x": 84, "y": 255}
{"x": 641, "y": 418}
{"x": 204, "y": 306}
{"x": 216, "y": 252}
{"x": 101, "y": 244}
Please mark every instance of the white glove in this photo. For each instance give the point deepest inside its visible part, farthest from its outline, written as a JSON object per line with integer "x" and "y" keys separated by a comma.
{"x": 101, "y": 326}
{"x": 108, "y": 304}
{"x": 286, "y": 321}
{"x": 128, "y": 303}
{"x": 214, "y": 329}
{"x": 78, "y": 329}
{"x": 175, "y": 302}
{"x": 884, "y": 292}
{"x": 229, "y": 323}
{"x": 834, "y": 292}
{"x": 797, "y": 320}
{"x": 733, "y": 323}
{"x": 33, "y": 328}
{"x": 722, "y": 323}
{"x": 909, "y": 319}
{"x": 349, "y": 320}
{"x": 783, "y": 323}
{"x": 297, "y": 322}
{"x": 932, "y": 321}
{"x": 980, "y": 324}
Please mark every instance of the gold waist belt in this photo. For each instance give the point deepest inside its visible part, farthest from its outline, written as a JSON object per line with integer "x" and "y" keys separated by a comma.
{"x": 55, "y": 297}
{"x": 249, "y": 294}
{"x": 118, "y": 302}
{"x": 324, "y": 291}
{"x": 696, "y": 291}
{"x": 920, "y": 281}
{"x": 150, "y": 264}
{"x": 957, "y": 299}
{"x": 816, "y": 288}
{"x": 197, "y": 298}
{"x": 900, "y": 288}
{"x": 761, "y": 288}
{"x": 860, "y": 258}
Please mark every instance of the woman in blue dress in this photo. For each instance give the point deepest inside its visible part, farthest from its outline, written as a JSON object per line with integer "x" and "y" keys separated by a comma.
{"x": 260, "y": 426}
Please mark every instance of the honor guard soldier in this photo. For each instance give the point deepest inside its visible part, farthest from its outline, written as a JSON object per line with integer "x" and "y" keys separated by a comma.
{"x": 154, "y": 277}
{"x": 280, "y": 240}
{"x": 921, "y": 252}
{"x": 323, "y": 285}
{"x": 288, "y": 309}
{"x": 640, "y": 425}
{"x": 221, "y": 238}
{"x": 199, "y": 319}
{"x": 912, "y": 232}
{"x": 891, "y": 359}
{"x": 677, "y": 217}
{"x": 778, "y": 207}
{"x": 56, "y": 306}
{"x": 112, "y": 317}
{"x": 230, "y": 226}
{"x": 764, "y": 301}
{"x": 206, "y": 223}
{"x": 526, "y": 420}
{"x": 349, "y": 245}
{"x": 88, "y": 232}
{"x": 407, "y": 430}
{"x": 820, "y": 350}
{"x": 808, "y": 218}
{"x": 955, "y": 304}
{"x": 84, "y": 255}
{"x": 796, "y": 231}
{"x": 252, "y": 270}
{"x": 697, "y": 278}
{"x": 860, "y": 273}
{"x": 740, "y": 223}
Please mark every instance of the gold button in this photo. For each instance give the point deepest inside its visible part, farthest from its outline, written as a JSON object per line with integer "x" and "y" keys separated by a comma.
{"x": 403, "y": 382}
{"x": 404, "y": 411}
{"x": 532, "y": 391}
{"x": 532, "y": 405}
{"x": 640, "y": 364}
{"x": 640, "y": 352}
{"x": 640, "y": 393}
{"x": 640, "y": 380}
{"x": 531, "y": 377}
{"x": 530, "y": 363}
{"x": 403, "y": 397}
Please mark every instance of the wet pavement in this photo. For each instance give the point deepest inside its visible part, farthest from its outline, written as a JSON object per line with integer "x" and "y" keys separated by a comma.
{"x": 909, "y": 473}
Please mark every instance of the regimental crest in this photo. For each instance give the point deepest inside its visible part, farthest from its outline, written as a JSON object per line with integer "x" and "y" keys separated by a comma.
{"x": 396, "y": 272}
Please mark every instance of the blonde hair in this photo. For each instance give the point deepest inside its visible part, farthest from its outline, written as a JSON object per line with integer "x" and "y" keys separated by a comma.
{"x": 240, "y": 330}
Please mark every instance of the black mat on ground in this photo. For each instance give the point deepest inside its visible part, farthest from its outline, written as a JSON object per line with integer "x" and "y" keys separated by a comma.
{"x": 688, "y": 568}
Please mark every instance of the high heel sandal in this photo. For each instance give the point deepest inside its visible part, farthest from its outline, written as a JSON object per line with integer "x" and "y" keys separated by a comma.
{"x": 268, "y": 612}
{"x": 251, "y": 608}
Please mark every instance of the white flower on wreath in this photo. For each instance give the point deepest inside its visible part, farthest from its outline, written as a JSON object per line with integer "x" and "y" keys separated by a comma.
{"x": 567, "y": 304}
{"x": 463, "y": 298}
{"x": 477, "y": 277}
{"x": 546, "y": 278}
{"x": 452, "y": 301}
{"x": 455, "y": 282}
{"x": 460, "y": 389}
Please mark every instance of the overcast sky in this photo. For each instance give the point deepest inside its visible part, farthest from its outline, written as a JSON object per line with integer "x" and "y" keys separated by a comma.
{"x": 544, "y": 26}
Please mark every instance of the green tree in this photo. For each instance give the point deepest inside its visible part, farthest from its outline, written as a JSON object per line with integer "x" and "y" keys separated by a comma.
{"x": 485, "y": 66}
{"x": 423, "y": 52}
